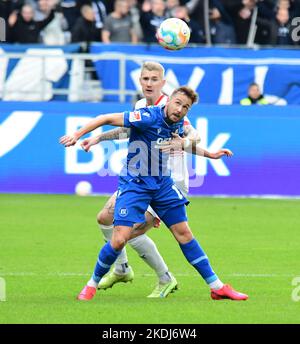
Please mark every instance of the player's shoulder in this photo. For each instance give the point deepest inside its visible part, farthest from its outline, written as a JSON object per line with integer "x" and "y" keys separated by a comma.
{"x": 162, "y": 100}
{"x": 140, "y": 104}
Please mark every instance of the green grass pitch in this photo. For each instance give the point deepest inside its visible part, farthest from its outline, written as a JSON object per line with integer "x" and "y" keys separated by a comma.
{"x": 49, "y": 246}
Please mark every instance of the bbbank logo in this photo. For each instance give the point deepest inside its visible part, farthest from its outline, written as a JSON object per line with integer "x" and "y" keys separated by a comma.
{"x": 16, "y": 128}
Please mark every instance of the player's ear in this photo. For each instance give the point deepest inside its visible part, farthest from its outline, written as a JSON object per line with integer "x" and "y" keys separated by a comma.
{"x": 164, "y": 82}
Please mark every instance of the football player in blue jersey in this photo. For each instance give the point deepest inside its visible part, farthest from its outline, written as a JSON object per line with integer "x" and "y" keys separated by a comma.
{"x": 145, "y": 180}
{"x": 152, "y": 80}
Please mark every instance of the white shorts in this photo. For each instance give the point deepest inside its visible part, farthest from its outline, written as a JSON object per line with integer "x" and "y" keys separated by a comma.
{"x": 179, "y": 172}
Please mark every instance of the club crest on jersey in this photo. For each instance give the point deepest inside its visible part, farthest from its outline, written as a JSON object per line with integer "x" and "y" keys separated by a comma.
{"x": 123, "y": 212}
{"x": 135, "y": 116}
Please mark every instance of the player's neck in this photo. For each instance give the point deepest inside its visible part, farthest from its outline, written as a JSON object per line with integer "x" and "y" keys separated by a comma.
{"x": 149, "y": 101}
{"x": 153, "y": 101}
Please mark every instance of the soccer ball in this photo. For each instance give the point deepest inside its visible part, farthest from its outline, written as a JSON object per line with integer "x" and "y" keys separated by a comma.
{"x": 83, "y": 188}
{"x": 173, "y": 34}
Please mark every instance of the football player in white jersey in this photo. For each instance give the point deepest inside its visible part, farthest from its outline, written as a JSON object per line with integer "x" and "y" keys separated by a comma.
{"x": 152, "y": 81}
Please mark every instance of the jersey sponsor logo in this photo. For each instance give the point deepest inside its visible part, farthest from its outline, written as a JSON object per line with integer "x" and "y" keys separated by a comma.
{"x": 161, "y": 140}
{"x": 123, "y": 212}
{"x": 135, "y": 116}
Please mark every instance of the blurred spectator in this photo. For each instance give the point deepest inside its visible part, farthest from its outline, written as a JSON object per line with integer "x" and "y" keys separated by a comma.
{"x": 70, "y": 10}
{"x": 118, "y": 26}
{"x": 53, "y": 33}
{"x": 85, "y": 29}
{"x": 280, "y": 25}
{"x": 153, "y": 14}
{"x": 100, "y": 12}
{"x": 230, "y": 21}
{"x": 171, "y": 6}
{"x": 197, "y": 35}
{"x": 8, "y": 6}
{"x": 254, "y": 96}
{"x": 135, "y": 16}
{"x": 195, "y": 9}
{"x": 241, "y": 11}
{"x": 23, "y": 28}
{"x": 221, "y": 24}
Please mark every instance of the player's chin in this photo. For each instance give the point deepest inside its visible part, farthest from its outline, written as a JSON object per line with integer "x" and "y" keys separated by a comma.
{"x": 175, "y": 118}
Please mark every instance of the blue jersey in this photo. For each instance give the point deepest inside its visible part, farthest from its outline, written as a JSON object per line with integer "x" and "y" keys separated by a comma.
{"x": 148, "y": 129}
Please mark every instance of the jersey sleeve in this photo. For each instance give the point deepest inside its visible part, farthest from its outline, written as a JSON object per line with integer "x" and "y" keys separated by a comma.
{"x": 140, "y": 119}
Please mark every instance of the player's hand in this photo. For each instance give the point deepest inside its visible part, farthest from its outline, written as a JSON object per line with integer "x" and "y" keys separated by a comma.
{"x": 156, "y": 222}
{"x": 86, "y": 144}
{"x": 223, "y": 152}
{"x": 172, "y": 146}
{"x": 68, "y": 140}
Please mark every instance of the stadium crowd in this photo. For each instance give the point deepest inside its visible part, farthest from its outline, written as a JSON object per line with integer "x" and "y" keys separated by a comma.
{"x": 230, "y": 21}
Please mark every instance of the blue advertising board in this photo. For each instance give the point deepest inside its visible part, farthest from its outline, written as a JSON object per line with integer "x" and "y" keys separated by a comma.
{"x": 219, "y": 75}
{"x": 265, "y": 142}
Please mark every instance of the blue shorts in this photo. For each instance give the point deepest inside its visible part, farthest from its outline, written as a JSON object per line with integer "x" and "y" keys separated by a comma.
{"x": 134, "y": 197}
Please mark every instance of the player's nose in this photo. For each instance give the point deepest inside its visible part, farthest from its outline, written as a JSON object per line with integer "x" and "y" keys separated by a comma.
{"x": 178, "y": 109}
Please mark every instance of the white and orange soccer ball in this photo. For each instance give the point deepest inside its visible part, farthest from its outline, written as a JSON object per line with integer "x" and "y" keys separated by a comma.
{"x": 173, "y": 34}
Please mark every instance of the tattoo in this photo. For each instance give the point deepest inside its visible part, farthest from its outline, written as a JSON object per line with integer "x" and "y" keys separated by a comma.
{"x": 110, "y": 207}
{"x": 115, "y": 134}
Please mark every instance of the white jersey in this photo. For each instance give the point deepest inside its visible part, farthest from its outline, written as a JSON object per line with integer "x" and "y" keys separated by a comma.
{"x": 161, "y": 101}
{"x": 177, "y": 163}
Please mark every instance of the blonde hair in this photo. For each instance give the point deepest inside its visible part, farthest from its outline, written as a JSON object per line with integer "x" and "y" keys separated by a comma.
{"x": 151, "y": 65}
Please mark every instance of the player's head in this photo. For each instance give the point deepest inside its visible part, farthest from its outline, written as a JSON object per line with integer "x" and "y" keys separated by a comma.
{"x": 254, "y": 91}
{"x": 152, "y": 80}
{"x": 180, "y": 102}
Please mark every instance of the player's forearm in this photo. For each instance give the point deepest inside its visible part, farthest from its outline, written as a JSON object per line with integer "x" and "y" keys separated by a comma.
{"x": 197, "y": 150}
{"x": 114, "y": 134}
{"x": 110, "y": 119}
